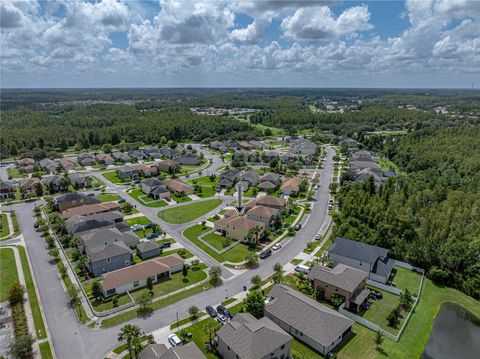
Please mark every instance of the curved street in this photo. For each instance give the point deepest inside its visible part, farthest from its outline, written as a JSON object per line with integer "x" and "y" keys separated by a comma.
{"x": 75, "y": 341}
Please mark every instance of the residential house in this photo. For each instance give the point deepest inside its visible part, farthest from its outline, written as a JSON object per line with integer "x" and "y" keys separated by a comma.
{"x": 79, "y": 180}
{"x": 80, "y": 224}
{"x": 160, "y": 192}
{"x": 85, "y": 159}
{"x": 257, "y": 144}
{"x": 148, "y": 249}
{"x": 48, "y": 165}
{"x": 288, "y": 157}
{"x": 344, "y": 280}
{"x": 269, "y": 182}
{"x": 246, "y": 337}
{"x": 121, "y": 157}
{"x": 90, "y": 209}
{"x": 26, "y": 165}
{"x": 167, "y": 166}
{"x": 270, "y": 155}
{"x": 267, "y": 186}
{"x": 104, "y": 159}
{"x": 250, "y": 177}
{"x": 291, "y": 186}
{"x": 269, "y": 201}
{"x": 160, "y": 351}
{"x": 369, "y": 258}
{"x": 151, "y": 151}
{"x": 138, "y": 155}
{"x": 68, "y": 163}
{"x": 228, "y": 178}
{"x": 263, "y": 214}
{"x": 178, "y": 187}
{"x": 303, "y": 146}
{"x": 134, "y": 277}
{"x": 55, "y": 183}
{"x": 108, "y": 258}
{"x": 72, "y": 200}
{"x": 7, "y": 189}
{"x": 188, "y": 159}
{"x": 245, "y": 144}
{"x": 309, "y": 321}
{"x": 30, "y": 184}
{"x": 126, "y": 173}
{"x": 149, "y": 184}
{"x": 347, "y": 141}
{"x": 167, "y": 152}
{"x": 239, "y": 228}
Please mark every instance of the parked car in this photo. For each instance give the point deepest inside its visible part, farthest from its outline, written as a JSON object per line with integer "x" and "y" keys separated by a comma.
{"x": 318, "y": 236}
{"x": 276, "y": 247}
{"x": 137, "y": 181}
{"x": 211, "y": 312}
{"x": 330, "y": 207}
{"x": 148, "y": 225}
{"x": 298, "y": 227}
{"x": 137, "y": 227}
{"x": 174, "y": 340}
{"x": 266, "y": 254}
{"x": 330, "y": 200}
{"x": 168, "y": 199}
{"x": 222, "y": 319}
{"x": 91, "y": 194}
{"x": 35, "y": 225}
{"x": 375, "y": 295}
{"x": 302, "y": 268}
{"x": 222, "y": 310}
{"x": 152, "y": 235}
{"x": 165, "y": 245}
{"x": 102, "y": 168}
{"x": 122, "y": 200}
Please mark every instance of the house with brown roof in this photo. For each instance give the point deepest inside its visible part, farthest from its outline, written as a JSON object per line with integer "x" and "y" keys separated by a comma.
{"x": 30, "y": 184}
{"x": 160, "y": 351}
{"x": 267, "y": 201}
{"x": 90, "y": 209}
{"x": 105, "y": 159}
{"x": 26, "y": 165}
{"x": 291, "y": 186}
{"x": 71, "y": 200}
{"x": 344, "y": 280}
{"x": 167, "y": 166}
{"x": 178, "y": 187}
{"x": 309, "y": 321}
{"x": 246, "y": 337}
{"x": 7, "y": 189}
{"x": 68, "y": 163}
{"x": 263, "y": 214}
{"x": 134, "y": 277}
{"x": 238, "y": 227}
{"x": 80, "y": 180}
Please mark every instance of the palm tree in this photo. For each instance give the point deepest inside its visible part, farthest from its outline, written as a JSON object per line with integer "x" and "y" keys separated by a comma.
{"x": 131, "y": 335}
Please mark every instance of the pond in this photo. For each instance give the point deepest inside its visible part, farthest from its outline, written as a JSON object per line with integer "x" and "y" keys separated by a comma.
{"x": 455, "y": 334}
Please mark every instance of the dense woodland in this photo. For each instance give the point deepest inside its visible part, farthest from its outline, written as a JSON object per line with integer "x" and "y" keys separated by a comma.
{"x": 429, "y": 216}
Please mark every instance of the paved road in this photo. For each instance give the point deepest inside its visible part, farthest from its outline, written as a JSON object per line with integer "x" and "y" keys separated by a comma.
{"x": 74, "y": 341}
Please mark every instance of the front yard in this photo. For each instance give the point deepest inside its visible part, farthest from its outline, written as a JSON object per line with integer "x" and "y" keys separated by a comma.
{"x": 187, "y": 213}
{"x": 113, "y": 177}
{"x": 145, "y": 200}
{"x": 205, "y": 180}
{"x": 108, "y": 197}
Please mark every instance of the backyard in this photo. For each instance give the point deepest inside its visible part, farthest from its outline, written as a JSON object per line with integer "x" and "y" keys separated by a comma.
{"x": 145, "y": 200}
{"x": 406, "y": 279}
{"x": 187, "y": 213}
{"x": 142, "y": 220}
{"x": 234, "y": 255}
{"x": 107, "y": 303}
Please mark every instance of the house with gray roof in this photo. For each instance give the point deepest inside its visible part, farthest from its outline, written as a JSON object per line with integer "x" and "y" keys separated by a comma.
{"x": 49, "y": 165}
{"x": 344, "y": 280}
{"x": 79, "y": 180}
{"x": 148, "y": 249}
{"x": 136, "y": 154}
{"x": 228, "y": 178}
{"x": 120, "y": 156}
{"x": 303, "y": 146}
{"x": 7, "y": 189}
{"x": 188, "y": 158}
{"x": 160, "y": 351}
{"x": 108, "y": 258}
{"x": 149, "y": 184}
{"x": 246, "y": 337}
{"x": 79, "y": 224}
{"x": 307, "y": 320}
{"x": 73, "y": 200}
{"x": 104, "y": 236}
{"x": 127, "y": 173}
{"x": 369, "y": 258}
{"x": 55, "y": 183}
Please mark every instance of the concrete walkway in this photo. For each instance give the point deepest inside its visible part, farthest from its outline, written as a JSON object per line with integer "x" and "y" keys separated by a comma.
{"x": 11, "y": 229}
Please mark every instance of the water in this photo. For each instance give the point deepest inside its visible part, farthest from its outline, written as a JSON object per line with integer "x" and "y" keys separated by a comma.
{"x": 455, "y": 334}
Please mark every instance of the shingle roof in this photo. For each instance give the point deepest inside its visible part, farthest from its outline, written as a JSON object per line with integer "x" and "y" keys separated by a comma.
{"x": 292, "y": 184}
{"x": 357, "y": 250}
{"x": 262, "y": 211}
{"x": 270, "y": 200}
{"x": 69, "y": 197}
{"x": 111, "y": 250}
{"x": 90, "y": 209}
{"x": 342, "y": 276}
{"x": 313, "y": 319}
{"x": 139, "y": 271}
{"x": 187, "y": 351}
{"x": 159, "y": 190}
{"x": 151, "y": 182}
{"x": 178, "y": 185}
{"x": 147, "y": 246}
{"x": 98, "y": 237}
{"x": 267, "y": 184}
{"x": 243, "y": 223}
{"x": 250, "y": 338}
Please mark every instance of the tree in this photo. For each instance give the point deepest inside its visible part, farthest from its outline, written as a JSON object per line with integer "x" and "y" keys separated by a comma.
{"x": 251, "y": 259}
{"x": 115, "y": 301}
{"x": 215, "y": 274}
{"x": 21, "y": 348}
{"x": 393, "y": 317}
{"x": 96, "y": 291}
{"x": 379, "y": 339}
{"x": 185, "y": 273}
{"x": 130, "y": 334}
{"x": 319, "y": 293}
{"x": 256, "y": 281}
{"x": 406, "y": 300}
{"x": 150, "y": 284}
{"x": 277, "y": 273}
{"x": 144, "y": 302}
{"x": 337, "y": 300}
{"x": 193, "y": 311}
{"x": 255, "y": 304}
{"x": 54, "y": 253}
{"x": 82, "y": 263}
{"x": 62, "y": 270}
{"x": 15, "y": 293}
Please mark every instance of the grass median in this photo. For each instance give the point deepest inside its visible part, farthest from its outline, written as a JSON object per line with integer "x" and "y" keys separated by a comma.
{"x": 187, "y": 213}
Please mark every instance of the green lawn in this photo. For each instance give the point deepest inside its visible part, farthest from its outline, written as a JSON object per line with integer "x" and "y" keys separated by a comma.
{"x": 187, "y": 254}
{"x": 180, "y": 199}
{"x": 8, "y": 271}
{"x": 416, "y": 333}
{"x": 113, "y": 177}
{"x": 32, "y": 295}
{"x": 108, "y": 197}
{"x": 175, "y": 282}
{"x": 217, "y": 241}
{"x": 236, "y": 254}
{"x": 207, "y": 191}
{"x": 186, "y": 320}
{"x": 205, "y": 180}
{"x": 128, "y": 315}
{"x": 407, "y": 279}
{"x": 45, "y": 350}
{"x": 137, "y": 193}
{"x": 13, "y": 172}
{"x": 187, "y": 213}
{"x": 249, "y": 192}
{"x": 107, "y": 303}
{"x": 143, "y": 221}
{"x": 4, "y": 230}
{"x": 381, "y": 308}
{"x": 296, "y": 261}
{"x": 300, "y": 350}
{"x": 289, "y": 220}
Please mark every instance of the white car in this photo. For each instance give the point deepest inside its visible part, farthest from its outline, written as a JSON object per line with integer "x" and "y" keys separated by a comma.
{"x": 276, "y": 247}
{"x": 137, "y": 227}
{"x": 330, "y": 207}
{"x": 318, "y": 236}
{"x": 174, "y": 340}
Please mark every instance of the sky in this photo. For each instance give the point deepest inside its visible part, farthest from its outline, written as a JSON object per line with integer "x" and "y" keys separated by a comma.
{"x": 240, "y": 43}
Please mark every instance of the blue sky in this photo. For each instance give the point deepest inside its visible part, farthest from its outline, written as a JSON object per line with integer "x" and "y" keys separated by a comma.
{"x": 167, "y": 43}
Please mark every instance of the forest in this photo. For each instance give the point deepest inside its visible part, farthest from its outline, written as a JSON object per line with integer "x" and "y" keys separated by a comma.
{"x": 429, "y": 215}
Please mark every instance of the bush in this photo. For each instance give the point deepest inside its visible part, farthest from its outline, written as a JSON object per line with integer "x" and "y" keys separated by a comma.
{"x": 22, "y": 347}
{"x": 15, "y": 293}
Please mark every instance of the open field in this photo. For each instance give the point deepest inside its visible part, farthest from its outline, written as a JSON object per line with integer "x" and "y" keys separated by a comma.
{"x": 187, "y": 213}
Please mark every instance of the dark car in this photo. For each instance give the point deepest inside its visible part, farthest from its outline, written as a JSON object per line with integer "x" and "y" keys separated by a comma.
{"x": 165, "y": 245}
{"x": 137, "y": 181}
{"x": 148, "y": 225}
{"x": 152, "y": 235}
{"x": 297, "y": 227}
{"x": 122, "y": 200}
{"x": 375, "y": 295}
{"x": 222, "y": 310}
{"x": 211, "y": 312}
{"x": 91, "y": 194}
{"x": 266, "y": 254}
{"x": 103, "y": 168}
{"x": 35, "y": 225}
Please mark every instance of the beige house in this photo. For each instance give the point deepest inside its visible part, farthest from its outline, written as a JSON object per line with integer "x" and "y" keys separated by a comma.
{"x": 263, "y": 214}
{"x": 291, "y": 186}
{"x": 178, "y": 187}
{"x": 167, "y": 166}
{"x": 267, "y": 201}
{"x": 238, "y": 227}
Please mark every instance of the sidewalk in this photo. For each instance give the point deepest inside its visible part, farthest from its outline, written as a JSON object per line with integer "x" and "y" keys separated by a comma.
{"x": 11, "y": 229}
